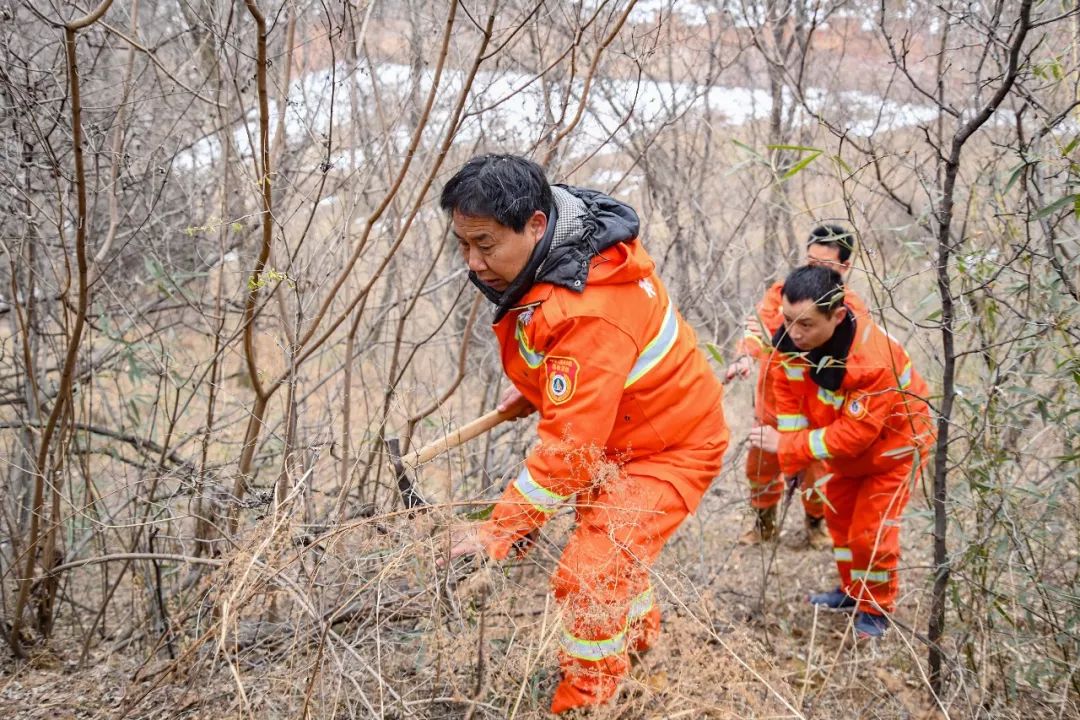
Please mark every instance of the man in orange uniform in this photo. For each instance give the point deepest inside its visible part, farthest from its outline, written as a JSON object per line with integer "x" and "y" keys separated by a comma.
{"x": 828, "y": 246}
{"x": 847, "y": 394}
{"x": 630, "y": 424}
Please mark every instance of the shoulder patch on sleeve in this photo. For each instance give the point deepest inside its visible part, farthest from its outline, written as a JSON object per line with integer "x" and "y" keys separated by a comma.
{"x": 561, "y": 375}
{"x": 858, "y": 405}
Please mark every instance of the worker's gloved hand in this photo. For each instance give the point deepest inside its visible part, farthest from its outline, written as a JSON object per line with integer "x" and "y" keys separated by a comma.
{"x": 467, "y": 546}
{"x": 765, "y": 437}
{"x": 740, "y": 368}
{"x": 464, "y": 542}
{"x": 524, "y": 544}
{"x": 513, "y": 403}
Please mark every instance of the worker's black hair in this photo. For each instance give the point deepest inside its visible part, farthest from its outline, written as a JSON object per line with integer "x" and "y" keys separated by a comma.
{"x": 834, "y": 236}
{"x": 507, "y": 188}
{"x": 822, "y": 285}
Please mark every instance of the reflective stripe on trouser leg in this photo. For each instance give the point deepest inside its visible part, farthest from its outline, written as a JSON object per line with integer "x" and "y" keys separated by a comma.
{"x": 593, "y": 646}
{"x": 642, "y": 621}
{"x": 874, "y": 538}
{"x": 875, "y": 589}
{"x": 593, "y": 650}
{"x": 841, "y": 493}
{"x": 842, "y": 558}
{"x": 871, "y": 577}
{"x": 604, "y": 569}
{"x": 641, "y": 605}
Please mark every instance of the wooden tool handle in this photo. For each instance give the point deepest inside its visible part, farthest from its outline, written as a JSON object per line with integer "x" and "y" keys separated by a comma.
{"x": 462, "y": 435}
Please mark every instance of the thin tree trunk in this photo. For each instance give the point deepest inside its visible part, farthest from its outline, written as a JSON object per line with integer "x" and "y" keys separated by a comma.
{"x": 72, "y": 355}
{"x": 936, "y": 628}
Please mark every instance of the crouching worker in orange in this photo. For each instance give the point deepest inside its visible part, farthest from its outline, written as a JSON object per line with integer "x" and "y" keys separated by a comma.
{"x": 828, "y": 246}
{"x": 847, "y": 394}
{"x": 631, "y": 427}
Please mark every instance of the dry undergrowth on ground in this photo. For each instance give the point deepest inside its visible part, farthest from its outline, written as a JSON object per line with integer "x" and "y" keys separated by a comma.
{"x": 358, "y": 622}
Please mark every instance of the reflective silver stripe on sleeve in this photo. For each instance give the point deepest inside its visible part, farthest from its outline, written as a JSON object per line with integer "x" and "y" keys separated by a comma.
{"x": 794, "y": 372}
{"x": 836, "y": 400}
{"x": 538, "y": 496}
{"x": 818, "y": 448}
{"x": 905, "y": 377}
{"x": 532, "y": 358}
{"x": 791, "y": 423}
{"x": 658, "y": 347}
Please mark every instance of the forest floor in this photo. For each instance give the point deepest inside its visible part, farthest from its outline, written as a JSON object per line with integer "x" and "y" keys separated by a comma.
{"x": 738, "y": 641}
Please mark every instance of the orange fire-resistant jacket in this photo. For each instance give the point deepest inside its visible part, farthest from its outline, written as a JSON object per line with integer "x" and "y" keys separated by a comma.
{"x": 616, "y": 376}
{"x": 770, "y": 316}
{"x": 875, "y": 421}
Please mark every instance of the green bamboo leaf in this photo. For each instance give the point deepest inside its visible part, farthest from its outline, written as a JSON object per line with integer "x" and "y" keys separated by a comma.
{"x": 899, "y": 452}
{"x": 1061, "y": 202}
{"x": 843, "y": 165}
{"x": 747, "y": 148}
{"x": 797, "y": 148}
{"x": 817, "y": 494}
{"x": 799, "y": 166}
{"x": 1067, "y": 150}
{"x": 482, "y": 514}
{"x": 1017, "y": 171}
{"x": 715, "y": 352}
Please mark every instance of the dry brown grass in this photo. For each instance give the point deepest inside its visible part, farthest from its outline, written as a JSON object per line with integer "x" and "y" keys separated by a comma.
{"x": 360, "y": 622}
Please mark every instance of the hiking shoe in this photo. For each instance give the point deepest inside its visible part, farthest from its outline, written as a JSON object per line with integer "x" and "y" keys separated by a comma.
{"x": 764, "y": 528}
{"x": 869, "y": 625}
{"x": 835, "y": 599}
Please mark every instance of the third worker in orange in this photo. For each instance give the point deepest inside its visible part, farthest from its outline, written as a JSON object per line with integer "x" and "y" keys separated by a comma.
{"x": 847, "y": 394}
{"x": 828, "y": 246}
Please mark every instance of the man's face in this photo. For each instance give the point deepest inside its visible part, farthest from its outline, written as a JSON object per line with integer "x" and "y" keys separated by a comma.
{"x": 827, "y": 256}
{"x": 493, "y": 251}
{"x": 809, "y": 326}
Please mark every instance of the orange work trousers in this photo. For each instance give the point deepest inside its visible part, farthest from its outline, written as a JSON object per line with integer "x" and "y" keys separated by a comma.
{"x": 767, "y": 483}
{"x": 603, "y": 583}
{"x": 863, "y": 517}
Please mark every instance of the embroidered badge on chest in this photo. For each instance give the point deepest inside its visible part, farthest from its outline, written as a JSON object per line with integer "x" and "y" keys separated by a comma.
{"x": 562, "y": 375}
{"x": 857, "y": 406}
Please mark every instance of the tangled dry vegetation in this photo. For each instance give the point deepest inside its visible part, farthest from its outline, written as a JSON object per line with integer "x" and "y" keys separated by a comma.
{"x": 225, "y": 283}
{"x": 360, "y": 620}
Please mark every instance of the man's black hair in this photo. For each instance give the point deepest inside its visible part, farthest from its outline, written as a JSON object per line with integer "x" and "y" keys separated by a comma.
{"x": 507, "y": 188}
{"x": 822, "y": 285}
{"x": 834, "y": 236}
